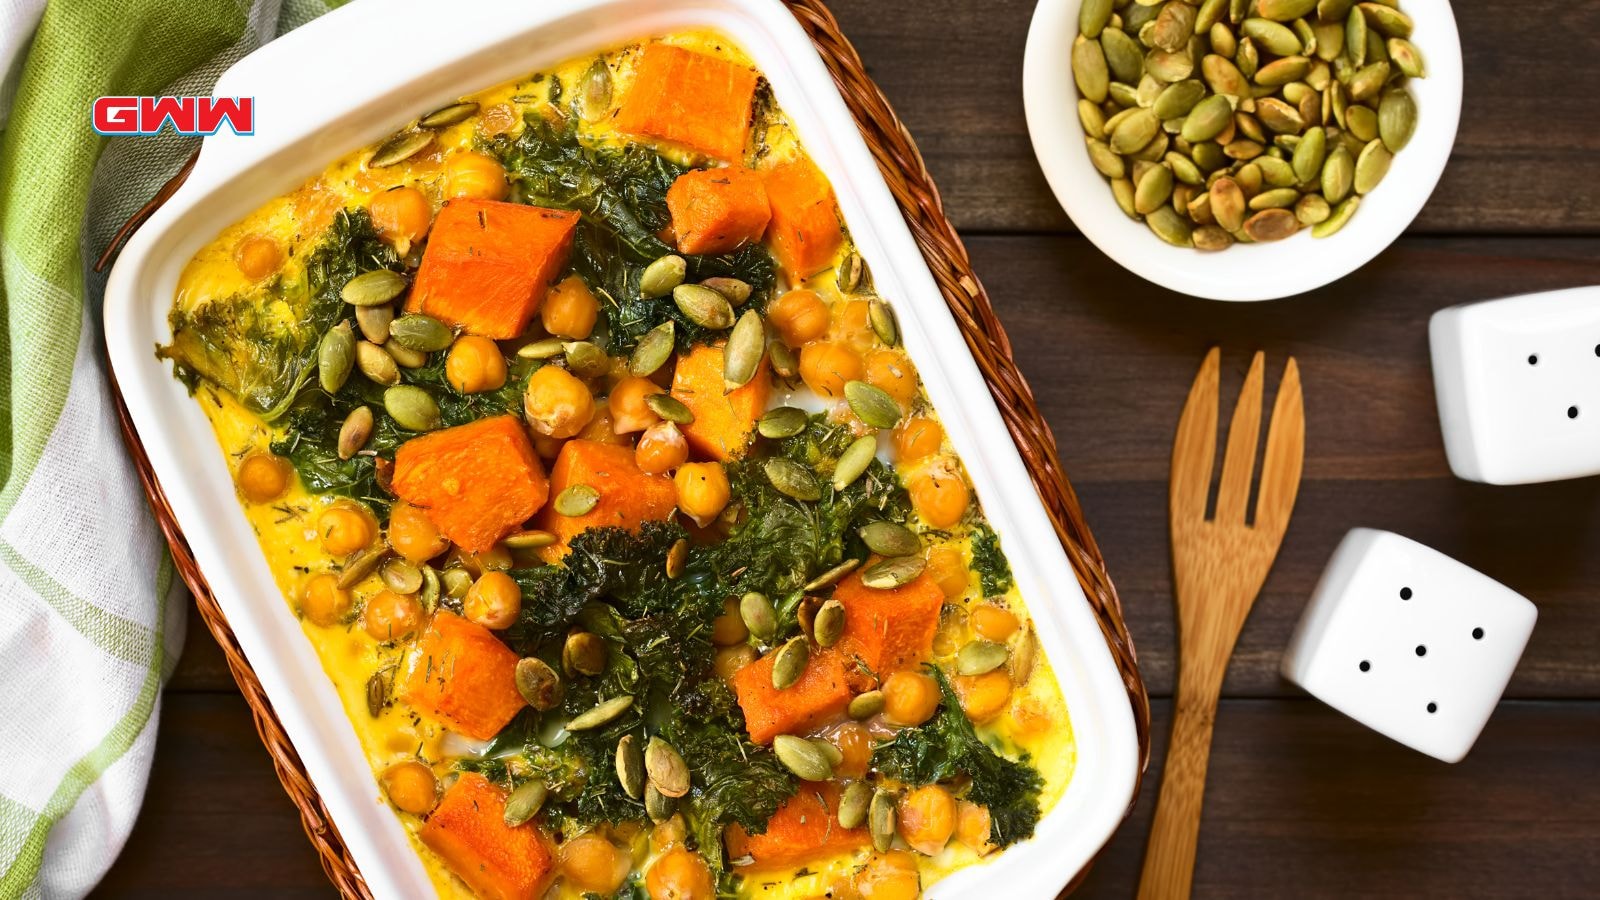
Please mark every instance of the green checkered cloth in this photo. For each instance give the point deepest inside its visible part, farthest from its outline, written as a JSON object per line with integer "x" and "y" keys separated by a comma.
{"x": 92, "y": 619}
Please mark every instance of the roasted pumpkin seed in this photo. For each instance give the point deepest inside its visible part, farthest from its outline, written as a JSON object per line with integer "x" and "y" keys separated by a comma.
{"x": 789, "y": 663}
{"x": 890, "y": 539}
{"x": 884, "y": 325}
{"x": 853, "y": 803}
{"x": 373, "y": 321}
{"x": 666, "y": 768}
{"x": 449, "y": 115}
{"x": 866, "y": 705}
{"x": 653, "y": 350}
{"x": 1397, "y": 120}
{"x": 832, "y": 575}
{"x": 662, "y": 275}
{"x": 979, "y": 657}
{"x": 1089, "y": 70}
{"x": 802, "y": 757}
{"x": 548, "y": 348}
{"x": 781, "y": 422}
{"x": 892, "y": 573}
{"x": 872, "y": 404}
{"x": 658, "y": 806}
{"x": 792, "y": 479}
{"x": 1341, "y": 215}
{"x": 828, "y": 624}
{"x": 594, "y": 92}
{"x": 854, "y": 461}
{"x": 529, "y": 540}
{"x": 758, "y": 615}
{"x": 538, "y": 684}
{"x": 524, "y": 803}
{"x": 784, "y": 362}
{"x": 401, "y": 575}
{"x": 881, "y": 820}
{"x": 604, "y": 713}
{"x": 1371, "y": 166}
{"x": 377, "y": 694}
{"x": 424, "y": 334}
{"x": 361, "y": 564}
{"x": 399, "y": 148}
{"x": 412, "y": 408}
{"x": 373, "y": 288}
{"x": 703, "y": 306}
{"x": 630, "y": 766}
{"x": 746, "y": 346}
{"x": 577, "y": 500}
{"x": 851, "y": 273}
{"x": 355, "y": 432}
{"x": 336, "y": 356}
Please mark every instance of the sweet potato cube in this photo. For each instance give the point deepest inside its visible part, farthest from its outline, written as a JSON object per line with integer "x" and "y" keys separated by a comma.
{"x": 804, "y": 829}
{"x": 628, "y": 497}
{"x": 716, "y": 211}
{"x": 723, "y": 422}
{"x": 477, "y": 482}
{"x": 804, "y": 232}
{"x": 892, "y": 629}
{"x": 691, "y": 99}
{"x": 469, "y": 832}
{"x": 488, "y": 264}
{"x": 822, "y": 692}
{"x": 462, "y": 675}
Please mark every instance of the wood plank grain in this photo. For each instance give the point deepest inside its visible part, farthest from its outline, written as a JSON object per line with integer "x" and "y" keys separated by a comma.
{"x": 1111, "y": 357}
{"x": 215, "y": 820}
{"x": 1523, "y": 161}
{"x": 1301, "y": 802}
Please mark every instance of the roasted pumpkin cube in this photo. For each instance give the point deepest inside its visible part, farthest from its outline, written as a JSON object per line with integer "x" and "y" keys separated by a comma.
{"x": 478, "y": 482}
{"x": 469, "y": 832}
{"x": 805, "y": 829}
{"x": 689, "y": 98}
{"x": 891, "y": 629}
{"x": 488, "y": 264}
{"x": 823, "y": 691}
{"x": 461, "y": 674}
{"x": 804, "y": 232}
{"x": 724, "y": 421}
{"x": 716, "y": 211}
{"x": 628, "y": 497}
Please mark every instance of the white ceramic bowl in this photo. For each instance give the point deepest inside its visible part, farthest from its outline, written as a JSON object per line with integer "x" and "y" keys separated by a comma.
{"x": 333, "y": 86}
{"x": 1259, "y": 271}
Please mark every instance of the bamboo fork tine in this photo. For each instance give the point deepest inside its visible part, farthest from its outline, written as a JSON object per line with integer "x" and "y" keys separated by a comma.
{"x": 1286, "y": 449}
{"x": 1195, "y": 447}
{"x": 1239, "y": 462}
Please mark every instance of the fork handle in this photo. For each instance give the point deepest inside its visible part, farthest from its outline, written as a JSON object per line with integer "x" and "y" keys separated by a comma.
{"x": 1168, "y": 870}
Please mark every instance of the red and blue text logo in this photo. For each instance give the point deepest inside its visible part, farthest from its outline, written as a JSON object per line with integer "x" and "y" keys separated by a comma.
{"x": 134, "y": 116}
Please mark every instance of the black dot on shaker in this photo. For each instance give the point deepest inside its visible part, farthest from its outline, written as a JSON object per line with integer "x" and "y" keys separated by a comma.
{"x": 1366, "y": 666}
{"x": 1405, "y": 593}
{"x": 1433, "y": 707}
{"x": 1477, "y": 634}
{"x": 1421, "y": 650}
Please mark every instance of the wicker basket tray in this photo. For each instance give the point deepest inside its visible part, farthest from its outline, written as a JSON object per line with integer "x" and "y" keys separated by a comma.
{"x": 913, "y": 188}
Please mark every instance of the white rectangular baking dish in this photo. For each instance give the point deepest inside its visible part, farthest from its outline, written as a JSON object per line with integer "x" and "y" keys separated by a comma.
{"x": 353, "y": 76}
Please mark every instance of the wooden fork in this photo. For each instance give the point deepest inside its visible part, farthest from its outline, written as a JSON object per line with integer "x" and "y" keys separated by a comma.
{"x": 1219, "y": 566}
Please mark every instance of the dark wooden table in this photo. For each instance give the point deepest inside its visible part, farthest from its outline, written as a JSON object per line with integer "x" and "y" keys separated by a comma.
{"x": 1301, "y": 801}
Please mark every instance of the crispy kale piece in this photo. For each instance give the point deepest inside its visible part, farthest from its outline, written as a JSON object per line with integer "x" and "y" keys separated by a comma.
{"x": 622, "y": 194}
{"x": 261, "y": 346}
{"x": 994, "y": 572}
{"x": 946, "y": 747}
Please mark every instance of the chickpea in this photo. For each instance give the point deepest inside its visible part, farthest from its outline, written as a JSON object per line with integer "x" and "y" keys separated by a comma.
{"x": 494, "y": 600}
{"x": 475, "y": 365}
{"x": 855, "y": 743}
{"x": 825, "y": 367}
{"x": 593, "y": 864}
{"x": 323, "y": 602}
{"x": 391, "y": 617}
{"x": 661, "y": 449}
{"x": 679, "y": 874}
{"x": 476, "y": 176}
{"x": 984, "y": 696}
{"x": 669, "y": 833}
{"x": 909, "y": 698}
{"x": 993, "y": 623}
{"x": 916, "y": 438}
{"x": 889, "y": 876}
{"x": 557, "y": 404}
{"x": 628, "y": 410}
{"x": 729, "y": 660}
{"x": 728, "y": 628}
{"x": 547, "y": 447}
{"x": 973, "y": 826}
{"x": 893, "y": 372}
{"x": 799, "y": 316}
{"x": 497, "y": 119}
{"x": 927, "y": 818}
{"x": 949, "y": 570}
{"x": 263, "y": 477}
{"x": 940, "y": 496}
{"x": 703, "y": 491}
{"x": 345, "y": 529}
{"x": 257, "y": 256}
{"x": 1032, "y": 716}
{"x": 570, "y": 309}
{"x": 413, "y": 535}
{"x": 411, "y": 787}
{"x": 600, "y": 429}
{"x": 401, "y": 216}
{"x": 853, "y": 325}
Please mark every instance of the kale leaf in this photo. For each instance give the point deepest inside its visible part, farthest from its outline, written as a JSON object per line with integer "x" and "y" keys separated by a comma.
{"x": 622, "y": 194}
{"x": 946, "y": 747}
{"x": 261, "y": 346}
{"x": 994, "y": 572}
